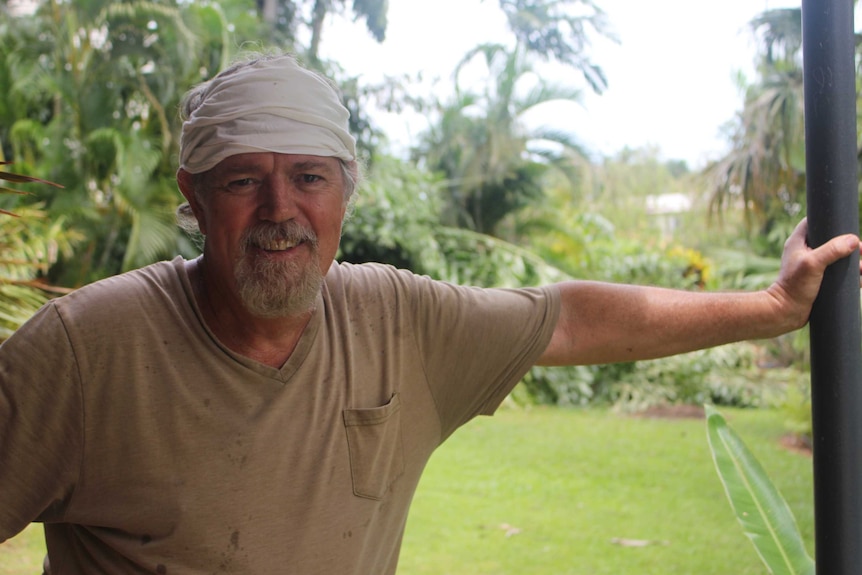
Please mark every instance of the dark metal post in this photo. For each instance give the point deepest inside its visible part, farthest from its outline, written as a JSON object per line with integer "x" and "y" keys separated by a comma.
{"x": 836, "y": 343}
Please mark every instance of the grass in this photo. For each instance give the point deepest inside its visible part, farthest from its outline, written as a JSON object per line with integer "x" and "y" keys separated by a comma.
{"x": 549, "y": 491}
{"x": 23, "y": 554}
{"x": 565, "y": 492}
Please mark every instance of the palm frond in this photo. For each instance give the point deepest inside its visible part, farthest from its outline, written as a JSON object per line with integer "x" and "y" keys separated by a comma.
{"x": 20, "y": 178}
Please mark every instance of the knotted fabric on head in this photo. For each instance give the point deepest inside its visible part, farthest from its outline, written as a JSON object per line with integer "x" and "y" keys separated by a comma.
{"x": 272, "y": 105}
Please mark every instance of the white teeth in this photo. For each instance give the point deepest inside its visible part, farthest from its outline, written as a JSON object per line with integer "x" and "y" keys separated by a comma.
{"x": 278, "y": 245}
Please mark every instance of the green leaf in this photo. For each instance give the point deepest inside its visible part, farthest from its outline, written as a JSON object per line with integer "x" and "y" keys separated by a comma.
{"x": 760, "y": 508}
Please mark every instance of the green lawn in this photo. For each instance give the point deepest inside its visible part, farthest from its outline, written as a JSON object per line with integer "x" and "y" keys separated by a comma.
{"x": 549, "y": 491}
{"x": 23, "y": 554}
{"x": 552, "y": 491}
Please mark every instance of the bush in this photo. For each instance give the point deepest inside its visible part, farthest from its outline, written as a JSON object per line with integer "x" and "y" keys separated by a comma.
{"x": 796, "y": 409}
{"x": 568, "y": 386}
{"x": 726, "y": 376}
{"x": 708, "y": 376}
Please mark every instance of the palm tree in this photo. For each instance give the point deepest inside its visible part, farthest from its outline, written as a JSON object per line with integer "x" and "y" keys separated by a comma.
{"x": 285, "y": 17}
{"x": 560, "y": 30}
{"x": 765, "y": 168}
{"x": 492, "y": 162}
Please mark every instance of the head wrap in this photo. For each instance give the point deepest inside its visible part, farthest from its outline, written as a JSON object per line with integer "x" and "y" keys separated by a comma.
{"x": 273, "y": 105}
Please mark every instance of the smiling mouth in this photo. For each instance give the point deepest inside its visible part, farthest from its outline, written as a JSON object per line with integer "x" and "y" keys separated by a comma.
{"x": 278, "y": 245}
{"x": 281, "y": 238}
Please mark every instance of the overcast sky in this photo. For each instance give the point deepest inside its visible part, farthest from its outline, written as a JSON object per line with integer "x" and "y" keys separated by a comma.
{"x": 671, "y": 78}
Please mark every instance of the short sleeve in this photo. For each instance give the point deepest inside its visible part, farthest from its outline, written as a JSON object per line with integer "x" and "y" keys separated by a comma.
{"x": 477, "y": 343}
{"x": 41, "y": 422}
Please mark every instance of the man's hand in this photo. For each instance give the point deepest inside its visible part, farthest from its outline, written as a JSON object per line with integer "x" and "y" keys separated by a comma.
{"x": 802, "y": 269}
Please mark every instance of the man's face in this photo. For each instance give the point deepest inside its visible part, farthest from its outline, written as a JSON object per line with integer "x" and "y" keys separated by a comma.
{"x": 272, "y": 224}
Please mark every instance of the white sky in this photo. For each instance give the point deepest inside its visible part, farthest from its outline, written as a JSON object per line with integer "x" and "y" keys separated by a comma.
{"x": 671, "y": 78}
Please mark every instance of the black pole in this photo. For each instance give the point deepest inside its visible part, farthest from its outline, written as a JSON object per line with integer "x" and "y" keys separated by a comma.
{"x": 836, "y": 349}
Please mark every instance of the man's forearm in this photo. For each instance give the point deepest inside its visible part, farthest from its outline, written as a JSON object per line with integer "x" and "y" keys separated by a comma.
{"x": 607, "y": 323}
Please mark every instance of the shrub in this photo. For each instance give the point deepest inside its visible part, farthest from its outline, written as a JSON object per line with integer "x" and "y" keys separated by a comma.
{"x": 726, "y": 375}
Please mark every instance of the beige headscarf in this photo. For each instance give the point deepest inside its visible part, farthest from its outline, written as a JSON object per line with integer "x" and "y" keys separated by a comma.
{"x": 273, "y": 105}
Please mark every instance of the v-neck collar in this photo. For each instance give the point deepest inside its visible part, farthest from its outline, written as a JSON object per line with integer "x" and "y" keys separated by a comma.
{"x": 289, "y": 368}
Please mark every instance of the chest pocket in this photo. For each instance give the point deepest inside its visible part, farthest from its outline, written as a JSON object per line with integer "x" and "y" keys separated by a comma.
{"x": 376, "y": 448}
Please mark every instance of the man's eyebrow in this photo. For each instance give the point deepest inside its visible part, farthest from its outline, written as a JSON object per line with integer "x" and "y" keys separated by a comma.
{"x": 313, "y": 165}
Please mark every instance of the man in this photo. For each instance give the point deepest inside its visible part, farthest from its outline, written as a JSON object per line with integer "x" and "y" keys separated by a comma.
{"x": 263, "y": 409}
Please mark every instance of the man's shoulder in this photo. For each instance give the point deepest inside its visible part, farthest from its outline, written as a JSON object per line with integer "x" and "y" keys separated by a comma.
{"x": 140, "y": 288}
{"x": 117, "y": 307}
{"x": 361, "y": 288}
{"x": 372, "y": 274}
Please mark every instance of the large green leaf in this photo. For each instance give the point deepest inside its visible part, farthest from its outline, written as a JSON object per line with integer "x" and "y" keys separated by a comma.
{"x": 760, "y": 508}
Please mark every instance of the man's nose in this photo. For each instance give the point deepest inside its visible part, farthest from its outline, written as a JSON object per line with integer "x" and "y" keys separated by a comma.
{"x": 278, "y": 200}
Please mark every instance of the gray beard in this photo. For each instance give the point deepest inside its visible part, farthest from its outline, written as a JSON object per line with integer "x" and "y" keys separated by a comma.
{"x": 272, "y": 289}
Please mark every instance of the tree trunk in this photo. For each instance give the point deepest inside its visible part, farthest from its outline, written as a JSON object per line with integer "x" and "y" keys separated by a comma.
{"x": 268, "y": 11}
{"x": 321, "y": 7}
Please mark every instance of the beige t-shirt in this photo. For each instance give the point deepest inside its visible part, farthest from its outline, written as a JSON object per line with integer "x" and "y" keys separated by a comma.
{"x": 146, "y": 446}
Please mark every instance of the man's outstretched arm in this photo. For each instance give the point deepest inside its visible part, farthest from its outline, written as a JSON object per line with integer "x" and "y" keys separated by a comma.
{"x": 607, "y": 323}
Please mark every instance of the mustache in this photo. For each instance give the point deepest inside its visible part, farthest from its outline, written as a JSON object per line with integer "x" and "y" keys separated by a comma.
{"x": 267, "y": 233}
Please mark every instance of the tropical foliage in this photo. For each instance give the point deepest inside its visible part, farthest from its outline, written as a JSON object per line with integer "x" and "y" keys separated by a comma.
{"x": 88, "y": 97}
{"x": 560, "y": 30}
{"x": 764, "y": 172}
{"x": 765, "y": 168}
{"x": 492, "y": 163}
{"x": 396, "y": 219}
{"x": 92, "y": 89}
{"x": 286, "y": 20}
{"x": 30, "y": 244}
{"x": 762, "y": 512}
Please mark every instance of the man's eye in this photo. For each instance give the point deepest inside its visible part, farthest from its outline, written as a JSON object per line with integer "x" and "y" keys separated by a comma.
{"x": 242, "y": 185}
{"x": 309, "y": 178}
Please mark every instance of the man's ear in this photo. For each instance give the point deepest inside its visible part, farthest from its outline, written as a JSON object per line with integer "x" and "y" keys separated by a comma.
{"x": 185, "y": 181}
